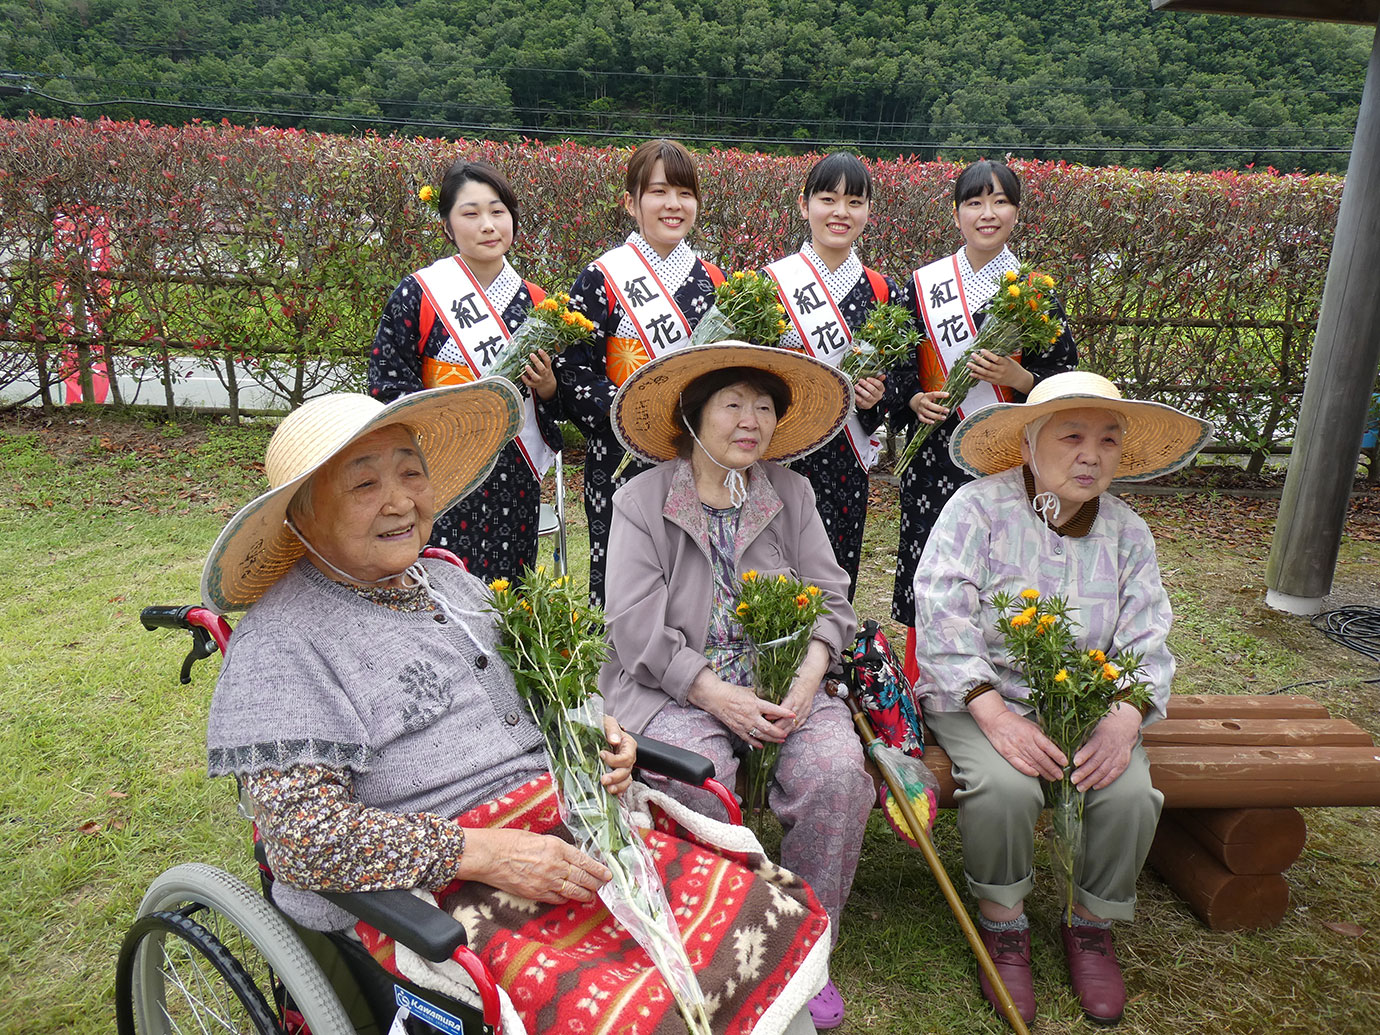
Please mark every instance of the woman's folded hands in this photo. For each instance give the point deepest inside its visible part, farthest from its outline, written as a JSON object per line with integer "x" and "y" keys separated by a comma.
{"x": 741, "y": 710}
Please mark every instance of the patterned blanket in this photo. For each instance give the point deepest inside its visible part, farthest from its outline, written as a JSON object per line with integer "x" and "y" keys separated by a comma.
{"x": 755, "y": 933}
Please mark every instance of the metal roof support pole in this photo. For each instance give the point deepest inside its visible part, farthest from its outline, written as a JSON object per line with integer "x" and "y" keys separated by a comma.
{"x": 1341, "y": 373}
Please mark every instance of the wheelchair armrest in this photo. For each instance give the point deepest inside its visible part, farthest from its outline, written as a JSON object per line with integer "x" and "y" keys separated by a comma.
{"x": 430, "y": 932}
{"x": 664, "y": 759}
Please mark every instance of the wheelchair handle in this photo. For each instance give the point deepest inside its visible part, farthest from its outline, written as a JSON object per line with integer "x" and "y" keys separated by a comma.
{"x": 210, "y": 632}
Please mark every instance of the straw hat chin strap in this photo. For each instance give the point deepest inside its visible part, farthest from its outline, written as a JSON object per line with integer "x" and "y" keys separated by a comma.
{"x": 1046, "y": 504}
{"x": 734, "y": 481}
{"x": 416, "y": 572}
{"x": 343, "y": 574}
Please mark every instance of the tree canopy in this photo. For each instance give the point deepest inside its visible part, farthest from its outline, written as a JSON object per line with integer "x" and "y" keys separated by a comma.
{"x": 1100, "y": 82}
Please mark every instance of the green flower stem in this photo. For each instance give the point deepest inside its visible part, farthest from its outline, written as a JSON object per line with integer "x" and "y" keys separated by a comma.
{"x": 554, "y": 658}
{"x": 773, "y": 672}
{"x": 996, "y": 336}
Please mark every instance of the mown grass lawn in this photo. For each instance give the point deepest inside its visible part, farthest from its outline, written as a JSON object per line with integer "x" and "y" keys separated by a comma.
{"x": 106, "y": 783}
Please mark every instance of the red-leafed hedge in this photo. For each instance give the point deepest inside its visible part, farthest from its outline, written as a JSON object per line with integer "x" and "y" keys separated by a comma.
{"x": 278, "y": 248}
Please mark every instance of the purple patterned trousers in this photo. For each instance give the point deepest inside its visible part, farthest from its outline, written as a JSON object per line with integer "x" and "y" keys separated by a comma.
{"x": 820, "y": 793}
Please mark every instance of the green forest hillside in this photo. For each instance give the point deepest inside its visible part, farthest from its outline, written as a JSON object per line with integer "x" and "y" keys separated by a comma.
{"x": 1100, "y": 82}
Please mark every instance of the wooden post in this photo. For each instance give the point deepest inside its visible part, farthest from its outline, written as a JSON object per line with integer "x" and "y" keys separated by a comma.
{"x": 1346, "y": 353}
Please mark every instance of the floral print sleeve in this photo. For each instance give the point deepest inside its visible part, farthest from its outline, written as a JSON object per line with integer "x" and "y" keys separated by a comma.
{"x": 585, "y": 389}
{"x": 395, "y": 361}
{"x": 319, "y": 838}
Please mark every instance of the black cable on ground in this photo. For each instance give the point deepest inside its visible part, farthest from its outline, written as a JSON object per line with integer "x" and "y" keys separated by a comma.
{"x": 1357, "y": 628}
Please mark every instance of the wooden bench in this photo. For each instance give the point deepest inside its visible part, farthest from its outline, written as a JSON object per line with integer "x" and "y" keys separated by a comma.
{"x": 1234, "y": 770}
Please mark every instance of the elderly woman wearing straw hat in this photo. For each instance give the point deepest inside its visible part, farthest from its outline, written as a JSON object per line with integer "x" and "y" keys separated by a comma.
{"x": 1042, "y": 519}
{"x": 683, "y": 535}
{"x": 363, "y": 704}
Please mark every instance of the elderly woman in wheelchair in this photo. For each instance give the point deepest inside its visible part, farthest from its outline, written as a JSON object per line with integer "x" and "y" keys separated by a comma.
{"x": 380, "y": 742}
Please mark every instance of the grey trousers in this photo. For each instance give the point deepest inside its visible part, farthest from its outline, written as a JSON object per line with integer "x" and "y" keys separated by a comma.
{"x": 998, "y": 807}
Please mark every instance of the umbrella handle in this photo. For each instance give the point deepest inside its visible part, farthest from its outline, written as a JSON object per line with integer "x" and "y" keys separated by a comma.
{"x": 941, "y": 876}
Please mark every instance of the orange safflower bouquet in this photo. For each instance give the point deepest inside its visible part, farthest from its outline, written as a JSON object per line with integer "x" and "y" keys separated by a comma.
{"x": 551, "y": 325}
{"x": 1071, "y": 689}
{"x": 1019, "y": 319}
{"x": 886, "y": 336}
{"x": 553, "y": 642}
{"x": 745, "y": 308}
{"x": 777, "y": 613}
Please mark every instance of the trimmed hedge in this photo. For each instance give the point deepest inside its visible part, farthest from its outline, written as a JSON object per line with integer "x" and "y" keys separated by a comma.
{"x": 271, "y": 251}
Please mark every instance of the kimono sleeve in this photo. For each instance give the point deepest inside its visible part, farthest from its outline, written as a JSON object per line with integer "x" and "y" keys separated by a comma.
{"x": 1060, "y": 357}
{"x": 585, "y": 390}
{"x": 395, "y": 361}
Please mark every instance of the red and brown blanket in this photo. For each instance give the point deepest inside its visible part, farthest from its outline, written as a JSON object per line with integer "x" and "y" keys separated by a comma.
{"x": 755, "y": 933}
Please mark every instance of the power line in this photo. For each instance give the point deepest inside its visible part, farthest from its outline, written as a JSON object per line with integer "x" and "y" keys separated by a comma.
{"x": 838, "y": 125}
{"x": 527, "y": 130}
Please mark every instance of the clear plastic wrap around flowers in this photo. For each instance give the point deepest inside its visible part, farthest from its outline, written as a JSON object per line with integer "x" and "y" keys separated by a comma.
{"x": 601, "y": 828}
{"x": 919, "y": 784}
{"x": 551, "y": 325}
{"x": 553, "y": 642}
{"x": 745, "y": 308}
{"x": 1066, "y": 837}
{"x": 713, "y": 326}
{"x": 886, "y": 337}
{"x": 532, "y": 334}
{"x": 774, "y": 665}
{"x": 777, "y": 614}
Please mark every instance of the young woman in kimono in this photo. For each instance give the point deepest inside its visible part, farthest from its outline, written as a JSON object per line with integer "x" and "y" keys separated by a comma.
{"x": 645, "y": 298}
{"x": 448, "y": 324}
{"x": 948, "y": 297}
{"x": 827, "y": 293}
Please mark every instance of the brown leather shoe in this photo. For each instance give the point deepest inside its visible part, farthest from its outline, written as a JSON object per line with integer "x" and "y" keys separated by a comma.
{"x": 1010, "y": 951}
{"x": 1095, "y": 973}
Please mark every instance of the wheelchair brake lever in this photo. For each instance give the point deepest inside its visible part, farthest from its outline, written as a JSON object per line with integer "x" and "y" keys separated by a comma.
{"x": 203, "y": 646}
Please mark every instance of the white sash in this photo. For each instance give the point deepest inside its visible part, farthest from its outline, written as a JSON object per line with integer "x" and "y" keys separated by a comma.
{"x": 644, "y": 299}
{"x": 823, "y": 332}
{"x": 478, "y": 332}
{"x": 949, "y": 325}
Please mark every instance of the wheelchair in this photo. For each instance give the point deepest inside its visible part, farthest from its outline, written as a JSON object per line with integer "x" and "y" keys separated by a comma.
{"x": 206, "y": 953}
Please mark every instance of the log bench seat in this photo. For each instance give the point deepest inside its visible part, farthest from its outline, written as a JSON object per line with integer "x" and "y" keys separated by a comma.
{"x": 1234, "y": 770}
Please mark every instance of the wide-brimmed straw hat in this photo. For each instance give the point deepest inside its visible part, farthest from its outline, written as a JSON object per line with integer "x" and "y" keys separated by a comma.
{"x": 1158, "y": 439}
{"x": 459, "y": 428}
{"x": 644, "y": 409}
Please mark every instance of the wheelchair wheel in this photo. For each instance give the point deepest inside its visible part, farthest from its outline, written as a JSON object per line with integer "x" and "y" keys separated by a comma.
{"x": 258, "y": 937}
{"x": 199, "y": 986}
